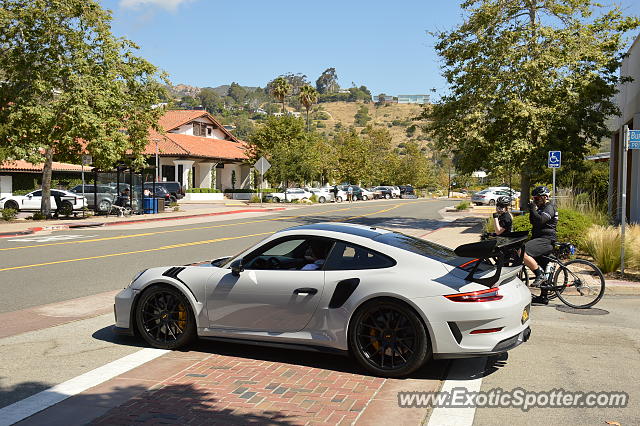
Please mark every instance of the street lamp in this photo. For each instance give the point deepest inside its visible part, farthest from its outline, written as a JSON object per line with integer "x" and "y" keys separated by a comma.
{"x": 157, "y": 170}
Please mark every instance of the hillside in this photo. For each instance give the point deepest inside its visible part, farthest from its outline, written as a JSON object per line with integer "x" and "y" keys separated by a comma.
{"x": 395, "y": 117}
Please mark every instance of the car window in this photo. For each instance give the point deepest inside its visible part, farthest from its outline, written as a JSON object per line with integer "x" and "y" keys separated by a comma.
{"x": 61, "y": 194}
{"x": 419, "y": 246}
{"x": 352, "y": 257}
{"x": 308, "y": 253}
{"x": 37, "y": 193}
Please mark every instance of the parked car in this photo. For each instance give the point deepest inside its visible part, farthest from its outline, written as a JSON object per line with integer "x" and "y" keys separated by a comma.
{"x": 358, "y": 193}
{"x": 161, "y": 192}
{"x": 106, "y": 196}
{"x": 327, "y": 285}
{"x": 366, "y": 194}
{"x": 173, "y": 188}
{"x": 407, "y": 191}
{"x": 490, "y": 195}
{"x": 33, "y": 200}
{"x": 395, "y": 192}
{"x": 383, "y": 192}
{"x": 323, "y": 194}
{"x": 292, "y": 194}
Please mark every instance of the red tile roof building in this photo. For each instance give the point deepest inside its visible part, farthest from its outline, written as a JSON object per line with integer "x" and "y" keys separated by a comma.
{"x": 195, "y": 141}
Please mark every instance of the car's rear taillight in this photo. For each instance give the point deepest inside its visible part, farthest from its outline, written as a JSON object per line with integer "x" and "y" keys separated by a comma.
{"x": 476, "y": 296}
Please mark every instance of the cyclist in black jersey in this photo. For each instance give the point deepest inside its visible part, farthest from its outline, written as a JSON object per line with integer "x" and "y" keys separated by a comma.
{"x": 543, "y": 217}
{"x": 502, "y": 219}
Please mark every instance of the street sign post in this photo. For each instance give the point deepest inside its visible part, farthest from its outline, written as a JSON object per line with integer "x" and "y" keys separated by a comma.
{"x": 554, "y": 160}
{"x": 262, "y": 165}
{"x": 630, "y": 140}
{"x": 86, "y": 160}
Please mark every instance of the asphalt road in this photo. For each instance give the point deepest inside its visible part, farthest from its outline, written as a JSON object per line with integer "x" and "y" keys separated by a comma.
{"x": 592, "y": 350}
{"x": 63, "y": 265}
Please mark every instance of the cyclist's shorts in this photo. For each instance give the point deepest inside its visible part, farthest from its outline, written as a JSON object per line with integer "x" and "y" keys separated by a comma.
{"x": 538, "y": 246}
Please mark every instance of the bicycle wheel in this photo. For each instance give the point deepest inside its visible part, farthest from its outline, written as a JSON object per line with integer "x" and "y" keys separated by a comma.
{"x": 528, "y": 277}
{"x": 580, "y": 284}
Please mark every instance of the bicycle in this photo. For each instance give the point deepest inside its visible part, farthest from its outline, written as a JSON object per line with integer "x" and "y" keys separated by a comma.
{"x": 578, "y": 283}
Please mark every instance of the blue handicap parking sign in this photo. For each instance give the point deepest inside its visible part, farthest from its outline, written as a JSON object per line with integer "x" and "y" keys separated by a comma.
{"x": 555, "y": 159}
{"x": 634, "y": 139}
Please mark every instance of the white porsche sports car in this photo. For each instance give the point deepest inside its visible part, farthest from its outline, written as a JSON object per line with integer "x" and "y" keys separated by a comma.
{"x": 391, "y": 300}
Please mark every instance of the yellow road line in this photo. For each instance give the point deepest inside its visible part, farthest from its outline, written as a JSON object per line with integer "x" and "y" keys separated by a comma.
{"x": 147, "y": 234}
{"x": 194, "y": 243}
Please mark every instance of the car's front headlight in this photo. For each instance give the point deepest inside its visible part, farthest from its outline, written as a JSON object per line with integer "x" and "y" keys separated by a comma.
{"x": 136, "y": 276}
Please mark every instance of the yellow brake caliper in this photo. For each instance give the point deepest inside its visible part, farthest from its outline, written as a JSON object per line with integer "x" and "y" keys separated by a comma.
{"x": 182, "y": 316}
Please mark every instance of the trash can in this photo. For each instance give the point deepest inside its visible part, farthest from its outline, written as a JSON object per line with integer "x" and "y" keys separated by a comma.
{"x": 160, "y": 205}
{"x": 150, "y": 205}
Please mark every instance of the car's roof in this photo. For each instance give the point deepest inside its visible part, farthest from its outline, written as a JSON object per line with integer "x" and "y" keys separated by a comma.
{"x": 345, "y": 228}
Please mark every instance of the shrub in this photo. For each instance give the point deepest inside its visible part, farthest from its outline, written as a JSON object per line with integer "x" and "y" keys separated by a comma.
{"x": 603, "y": 244}
{"x": 572, "y": 226}
{"x": 632, "y": 251}
{"x": 255, "y": 199}
{"x": 38, "y": 216}
{"x": 203, "y": 190}
{"x": 463, "y": 205}
{"x": 251, "y": 191}
{"x": 9, "y": 214}
{"x": 313, "y": 198}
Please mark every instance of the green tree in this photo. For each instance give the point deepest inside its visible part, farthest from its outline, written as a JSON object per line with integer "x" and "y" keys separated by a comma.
{"x": 211, "y": 101}
{"x": 237, "y": 93}
{"x": 362, "y": 116}
{"x": 527, "y": 76}
{"x": 328, "y": 81}
{"x": 353, "y": 159}
{"x": 308, "y": 96}
{"x": 280, "y": 89}
{"x": 71, "y": 87}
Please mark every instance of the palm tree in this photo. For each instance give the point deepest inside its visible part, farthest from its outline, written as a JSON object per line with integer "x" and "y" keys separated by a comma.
{"x": 280, "y": 89}
{"x": 308, "y": 96}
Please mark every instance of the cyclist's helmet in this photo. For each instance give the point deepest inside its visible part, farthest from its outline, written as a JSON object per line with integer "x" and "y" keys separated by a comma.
{"x": 503, "y": 201}
{"x": 541, "y": 191}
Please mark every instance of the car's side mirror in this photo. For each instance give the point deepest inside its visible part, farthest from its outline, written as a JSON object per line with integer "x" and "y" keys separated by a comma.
{"x": 237, "y": 267}
{"x": 29, "y": 196}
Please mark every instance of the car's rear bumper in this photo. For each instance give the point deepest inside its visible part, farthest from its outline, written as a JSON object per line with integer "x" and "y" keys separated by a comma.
{"x": 460, "y": 329}
{"x": 502, "y": 346}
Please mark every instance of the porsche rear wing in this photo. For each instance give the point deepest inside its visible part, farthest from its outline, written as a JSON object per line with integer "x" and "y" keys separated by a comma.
{"x": 502, "y": 251}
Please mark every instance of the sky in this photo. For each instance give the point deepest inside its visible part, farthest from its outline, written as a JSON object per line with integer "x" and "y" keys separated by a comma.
{"x": 384, "y": 45}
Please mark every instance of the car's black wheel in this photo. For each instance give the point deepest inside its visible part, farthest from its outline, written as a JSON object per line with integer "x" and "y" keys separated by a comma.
{"x": 104, "y": 206}
{"x": 12, "y": 205}
{"x": 365, "y": 198}
{"x": 339, "y": 199}
{"x": 387, "y": 196}
{"x": 322, "y": 200}
{"x": 276, "y": 199}
{"x": 164, "y": 318}
{"x": 388, "y": 338}
{"x": 492, "y": 202}
{"x": 66, "y": 208}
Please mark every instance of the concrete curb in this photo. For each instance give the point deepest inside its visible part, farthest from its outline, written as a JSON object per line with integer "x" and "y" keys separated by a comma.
{"x": 67, "y": 226}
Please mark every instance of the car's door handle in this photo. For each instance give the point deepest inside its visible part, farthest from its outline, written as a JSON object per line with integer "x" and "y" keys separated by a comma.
{"x": 305, "y": 291}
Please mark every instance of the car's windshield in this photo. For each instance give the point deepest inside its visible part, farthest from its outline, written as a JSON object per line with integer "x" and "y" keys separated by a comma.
{"x": 419, "y": 246}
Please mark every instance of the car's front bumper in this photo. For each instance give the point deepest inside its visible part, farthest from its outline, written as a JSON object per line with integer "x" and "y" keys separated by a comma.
{"x": 123, "y": 310}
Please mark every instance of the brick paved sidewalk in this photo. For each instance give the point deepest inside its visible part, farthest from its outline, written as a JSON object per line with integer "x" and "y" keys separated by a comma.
{"x": 226, "y": 383}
